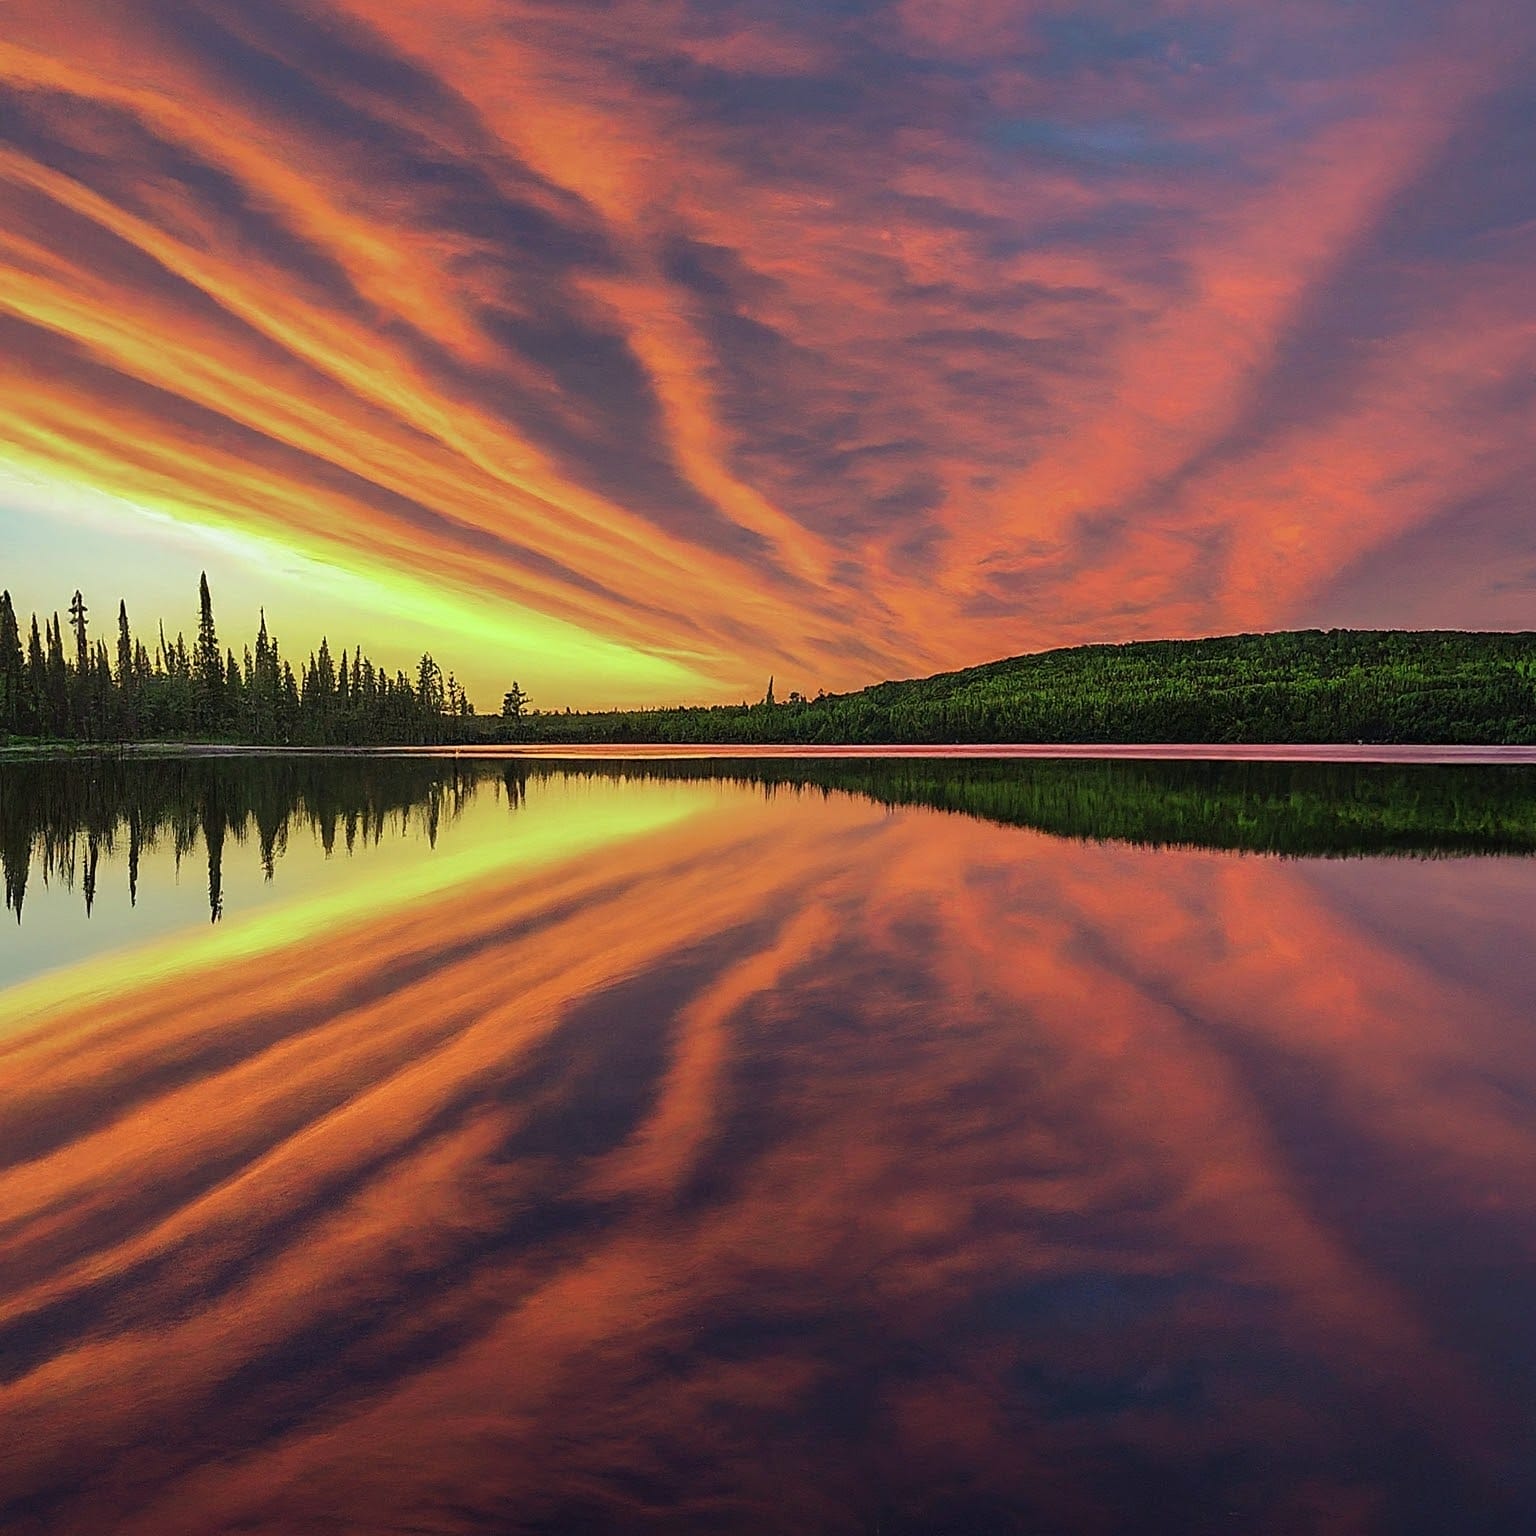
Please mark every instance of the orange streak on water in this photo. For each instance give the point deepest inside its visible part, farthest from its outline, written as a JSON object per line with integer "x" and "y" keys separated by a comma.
{"x": 888, "y": 1064}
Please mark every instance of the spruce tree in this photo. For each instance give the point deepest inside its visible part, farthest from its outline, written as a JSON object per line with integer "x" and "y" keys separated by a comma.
{"x": 12, "y": 666}
{"x": 127, "y": 677}
{"x": 37, "y": 681}
{"x": 208, "y": 662}
{"x": 80, "y": 683}
{"x": 124, "y": 648}
{"x": 58, "y": 680}
{"x": 78, "y": 614}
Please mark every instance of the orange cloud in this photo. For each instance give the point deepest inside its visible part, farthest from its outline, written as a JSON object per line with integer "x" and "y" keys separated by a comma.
{"x": 836, "y": 344}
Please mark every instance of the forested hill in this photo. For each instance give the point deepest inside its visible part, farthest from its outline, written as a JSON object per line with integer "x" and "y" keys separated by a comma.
{"x": 1297, "y": 686}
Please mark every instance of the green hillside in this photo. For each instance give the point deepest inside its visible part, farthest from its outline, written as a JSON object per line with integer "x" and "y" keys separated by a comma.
{"x": 1298, "y": 686}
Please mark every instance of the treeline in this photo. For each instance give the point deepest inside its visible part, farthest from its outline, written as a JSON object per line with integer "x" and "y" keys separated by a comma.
{"x": 1391, "y": 686}
{"x": 60, "y": 819}
{"x": 1398, "y": 686}
{"x": 82, "y": 689}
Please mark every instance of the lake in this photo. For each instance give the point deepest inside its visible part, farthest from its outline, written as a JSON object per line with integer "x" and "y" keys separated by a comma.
{"x": 903, "y": 1145}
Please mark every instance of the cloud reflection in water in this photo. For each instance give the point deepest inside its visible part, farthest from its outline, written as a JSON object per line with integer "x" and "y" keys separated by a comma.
{"x": 808, "y": 1165}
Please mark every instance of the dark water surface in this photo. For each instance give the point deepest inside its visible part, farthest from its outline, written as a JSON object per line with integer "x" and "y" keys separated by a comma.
{"x": 395, "y": 1145}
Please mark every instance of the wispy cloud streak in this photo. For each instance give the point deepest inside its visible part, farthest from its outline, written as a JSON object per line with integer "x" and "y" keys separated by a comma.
{"x": 838, "y": 339}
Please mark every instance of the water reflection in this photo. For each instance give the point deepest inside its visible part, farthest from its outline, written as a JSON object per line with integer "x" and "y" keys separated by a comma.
{"x": 58, "y": 818}
{"x": 800, "y": 1164}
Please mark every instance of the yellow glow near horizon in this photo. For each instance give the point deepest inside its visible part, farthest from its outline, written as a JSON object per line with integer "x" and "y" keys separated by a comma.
{"x": 161, "y": 547}
{"x": 609, "y": 814}
{"x": 555, "y": 351}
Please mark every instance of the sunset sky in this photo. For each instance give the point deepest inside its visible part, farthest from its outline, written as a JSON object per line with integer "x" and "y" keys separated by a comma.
{"x": 642, "y": 349}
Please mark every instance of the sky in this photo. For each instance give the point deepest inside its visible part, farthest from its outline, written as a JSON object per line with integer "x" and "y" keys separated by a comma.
{"x": 641, "y": 349}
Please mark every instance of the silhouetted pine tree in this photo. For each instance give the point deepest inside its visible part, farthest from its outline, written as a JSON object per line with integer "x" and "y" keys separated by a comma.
{"x": 37, "y": 683}
{"x": 60, "y": 720}
{"x": 126, "y": 679}
{"x": 208, "y": 663}
{"x": 79, "y": 678}
{"x": 13, "y": 667}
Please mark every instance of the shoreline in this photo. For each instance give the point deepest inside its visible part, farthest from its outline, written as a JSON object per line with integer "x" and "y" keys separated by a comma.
{"x": 1448, "y": 753}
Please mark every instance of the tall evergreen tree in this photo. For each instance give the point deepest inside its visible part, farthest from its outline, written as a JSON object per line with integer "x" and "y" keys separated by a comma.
{"x": 59, "y": 717}
{"x": 78, "y": 617}
{"x": 124, "y": 647}
{"x": 429, "y": 686}
{"x": 264, "y": 686}
{"x": 12, "y": 666}
{"x": 290, "y": 699}
{"x": 37, "y": 680}
{"x": 126, "y": 677}
{"x": 208, "y": 662}
{"x": 80, "y": 681}
{"x": 325, "y": 673}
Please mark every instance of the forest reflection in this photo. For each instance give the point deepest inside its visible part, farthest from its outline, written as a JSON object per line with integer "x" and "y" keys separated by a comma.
{"x": 59, "y": 818}
{"x": 799, "y": 1163}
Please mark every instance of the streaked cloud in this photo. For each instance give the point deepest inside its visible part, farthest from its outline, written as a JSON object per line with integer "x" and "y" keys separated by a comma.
{"x": 837, "y": 340}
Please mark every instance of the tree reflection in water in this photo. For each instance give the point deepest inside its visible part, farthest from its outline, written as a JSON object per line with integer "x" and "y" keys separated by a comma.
{"x": 808, "y": 1165}
{"x": 58, "y": 816}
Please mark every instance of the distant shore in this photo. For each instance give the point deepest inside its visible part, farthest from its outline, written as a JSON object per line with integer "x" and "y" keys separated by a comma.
{"x": 1470, "y": 754}
{"x": 1271, "y": 693}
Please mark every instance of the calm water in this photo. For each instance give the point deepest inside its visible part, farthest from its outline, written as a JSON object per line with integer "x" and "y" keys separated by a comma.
{"x": 906, "y": 1147}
